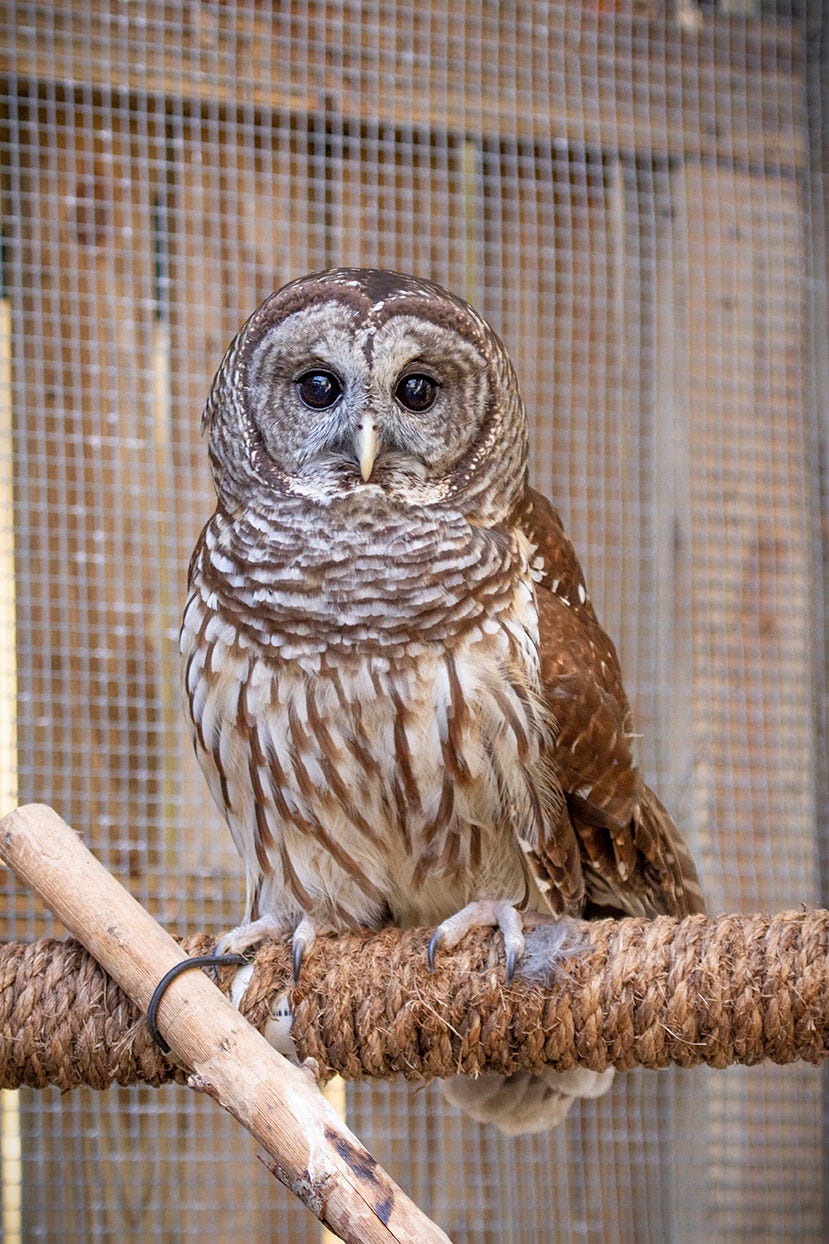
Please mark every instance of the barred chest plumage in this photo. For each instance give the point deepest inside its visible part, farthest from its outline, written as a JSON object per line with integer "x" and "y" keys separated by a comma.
{"x": 367, "y": 779}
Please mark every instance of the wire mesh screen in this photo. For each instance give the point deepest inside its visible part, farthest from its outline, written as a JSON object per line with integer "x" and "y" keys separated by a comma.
{"x": 633, "y": 195}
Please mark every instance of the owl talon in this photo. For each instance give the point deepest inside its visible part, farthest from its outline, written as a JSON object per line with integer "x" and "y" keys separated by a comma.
{"x": 296, "y": 959}
{"x": 481, "y": 915}
{"x": 513, "y": 955}
{"x": 305, "y": 935}
{"x": 435, "y": 942}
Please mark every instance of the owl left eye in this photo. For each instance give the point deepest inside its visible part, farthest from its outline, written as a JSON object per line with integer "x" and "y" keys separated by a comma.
{"x": 416, "y": 392}
{"x": 319, "y": 389}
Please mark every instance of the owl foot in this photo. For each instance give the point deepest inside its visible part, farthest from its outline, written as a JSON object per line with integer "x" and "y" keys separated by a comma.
{"x": 482, "y": 915}
{"x": 241, "y": 939}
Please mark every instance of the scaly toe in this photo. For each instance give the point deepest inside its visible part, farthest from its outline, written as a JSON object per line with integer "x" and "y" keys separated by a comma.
{"x": 245, "y": 936}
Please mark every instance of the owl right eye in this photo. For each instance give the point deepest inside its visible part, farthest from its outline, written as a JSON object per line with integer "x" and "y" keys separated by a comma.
{"x": 319, "y": 389}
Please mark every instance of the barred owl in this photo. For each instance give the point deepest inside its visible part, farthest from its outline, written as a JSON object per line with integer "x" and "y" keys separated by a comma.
{"x": 400, "y": 694}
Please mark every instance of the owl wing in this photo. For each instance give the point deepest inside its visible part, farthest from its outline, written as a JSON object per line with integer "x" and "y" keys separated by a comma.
{"x": 632, "y": 856}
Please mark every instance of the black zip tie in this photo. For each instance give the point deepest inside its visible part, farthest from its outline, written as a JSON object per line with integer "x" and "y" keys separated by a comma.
{"x": 197, "y": 961}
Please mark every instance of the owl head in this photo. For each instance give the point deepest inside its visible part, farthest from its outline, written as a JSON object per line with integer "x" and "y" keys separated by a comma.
{"x": 363, "y": 384}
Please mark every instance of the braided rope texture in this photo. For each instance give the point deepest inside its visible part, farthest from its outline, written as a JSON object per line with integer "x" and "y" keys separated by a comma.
{"x": 734, "y": 989}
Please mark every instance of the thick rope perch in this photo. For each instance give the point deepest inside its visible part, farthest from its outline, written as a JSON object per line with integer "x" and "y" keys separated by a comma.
{"x": 735, "y": 989}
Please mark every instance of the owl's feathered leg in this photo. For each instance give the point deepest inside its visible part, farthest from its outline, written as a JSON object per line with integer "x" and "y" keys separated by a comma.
{"x": 484, "y": 914}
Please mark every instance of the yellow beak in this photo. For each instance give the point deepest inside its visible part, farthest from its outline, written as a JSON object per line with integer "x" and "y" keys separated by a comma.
{"x": 367, "y": 446}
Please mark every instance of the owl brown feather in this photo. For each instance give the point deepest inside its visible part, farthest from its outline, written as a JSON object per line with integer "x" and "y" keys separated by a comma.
{"x": 399, "y": 691}
{"x": 632, "y": 855}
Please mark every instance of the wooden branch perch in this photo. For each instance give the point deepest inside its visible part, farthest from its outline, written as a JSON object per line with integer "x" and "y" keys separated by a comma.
{"x": 312, "y": 1151}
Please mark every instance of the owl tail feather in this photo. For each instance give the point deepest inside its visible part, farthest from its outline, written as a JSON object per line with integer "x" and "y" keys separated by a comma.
{"x": 524, "y": 1102}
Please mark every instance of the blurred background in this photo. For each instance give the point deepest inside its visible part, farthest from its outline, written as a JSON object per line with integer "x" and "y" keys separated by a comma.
{"x": 635, "y": 196}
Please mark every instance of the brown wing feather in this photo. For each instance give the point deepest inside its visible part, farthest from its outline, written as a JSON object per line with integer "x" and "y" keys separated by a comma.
{"x": 632, "y": 856}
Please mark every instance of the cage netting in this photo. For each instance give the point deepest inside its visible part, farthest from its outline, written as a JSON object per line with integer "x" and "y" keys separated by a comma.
{"x": 634, "y": 194}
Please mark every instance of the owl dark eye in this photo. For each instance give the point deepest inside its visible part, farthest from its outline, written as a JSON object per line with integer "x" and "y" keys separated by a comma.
{"x": 319, "y": 389}
{"x": 416, "y": 392}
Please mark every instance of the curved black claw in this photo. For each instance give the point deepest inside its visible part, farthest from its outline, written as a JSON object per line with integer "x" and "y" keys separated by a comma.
{"x": 305, "y": 934}
{"x": 513, "y": 955}
{"x": 298, "y": 952}
{"x": 435, "y": 943}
